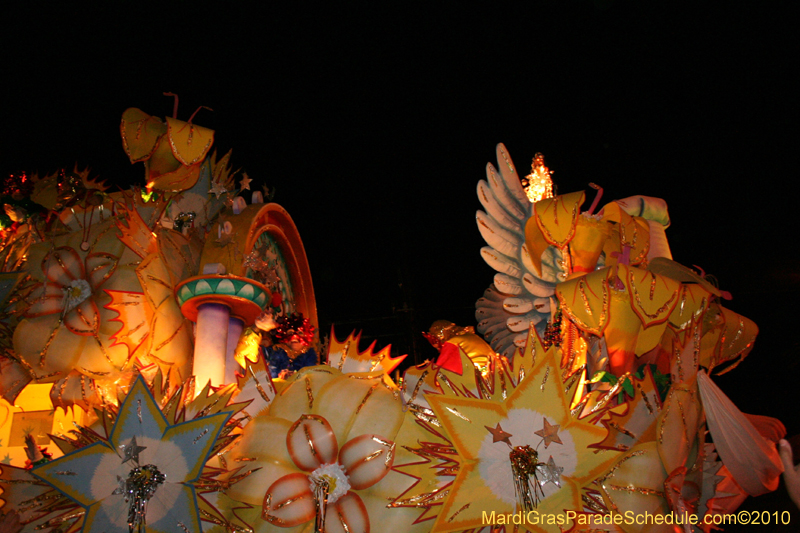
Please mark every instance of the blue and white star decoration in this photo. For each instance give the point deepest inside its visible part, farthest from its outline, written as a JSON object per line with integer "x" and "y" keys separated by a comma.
{"x": 142, "y": 477}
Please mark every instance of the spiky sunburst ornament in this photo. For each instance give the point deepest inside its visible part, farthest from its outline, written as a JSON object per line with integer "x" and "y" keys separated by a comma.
{"x": 345, "y": 356}
{"x": 506, "y": 439}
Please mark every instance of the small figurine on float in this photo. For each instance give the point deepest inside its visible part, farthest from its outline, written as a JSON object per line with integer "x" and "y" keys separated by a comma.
{"x": 287, "y": 344}
{"x": 37, "y": 455}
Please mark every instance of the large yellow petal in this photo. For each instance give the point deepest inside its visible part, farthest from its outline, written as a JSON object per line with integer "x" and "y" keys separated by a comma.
{"x": 556, "y": 217}
{"x": 692, "y": 303}
{"x": 587, "y": 245}
{"x": 635, "y": 484}
{"x": 301, "y": 393}
{"x": 553, "y": 223}
{"x": 140, "y": 133}
{"x": 47, "y": 347}
{"x": 190, "y": 143}
{"x": 357, "y": 406}
{"x": 627, "y": 231}
{"x": 653, "y": 297}
{"x": 586, "y": 300}
{"x": 268, "y": 463}
{"x": 729, "y": 339}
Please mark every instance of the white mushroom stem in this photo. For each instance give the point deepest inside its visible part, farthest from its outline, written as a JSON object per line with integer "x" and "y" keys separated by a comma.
{"x": 217, "y": 335}
{"x": 211, "y": 344}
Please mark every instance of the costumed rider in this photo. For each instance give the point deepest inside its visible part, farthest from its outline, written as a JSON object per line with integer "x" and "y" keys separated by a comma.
{"x": 286, "y": 343}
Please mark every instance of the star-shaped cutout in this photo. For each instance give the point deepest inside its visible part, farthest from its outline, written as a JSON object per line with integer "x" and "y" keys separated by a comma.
{"x": 550, "y": 473}
{"x": 245, "y": 183}
{"x": 179, "y": 451}
{"x": 131, "y": 451}
{"x": 498, "y": 435}
{"x": 122, "y": 486}
{"x": 549, "y": 433}
{"x": 6, "y": 460}
{"x": 218, "y": 189}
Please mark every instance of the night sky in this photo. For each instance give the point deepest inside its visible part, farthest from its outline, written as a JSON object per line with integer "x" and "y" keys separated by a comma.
{"x": 375, "y": 124}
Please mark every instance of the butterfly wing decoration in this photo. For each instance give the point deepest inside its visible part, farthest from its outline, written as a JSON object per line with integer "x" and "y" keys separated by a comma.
{"x": 172, "y": 150}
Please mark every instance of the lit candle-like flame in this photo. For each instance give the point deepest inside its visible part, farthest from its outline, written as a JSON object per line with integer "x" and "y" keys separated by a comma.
{"x": 538, "y": 185}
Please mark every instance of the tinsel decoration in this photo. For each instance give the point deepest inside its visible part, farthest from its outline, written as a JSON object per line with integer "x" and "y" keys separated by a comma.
{"x": 140, "y": 486}
{"x": 552, "y": 332}
{"x": 538, "y": 185}
{"x": 15, "y": 200}
{"x": 294, "y": 328}
{"x": 524, "y": 461}
{"x": 16, "y": 186}
{"x": 321, "y": 489}
{"x": 329, "y": 483}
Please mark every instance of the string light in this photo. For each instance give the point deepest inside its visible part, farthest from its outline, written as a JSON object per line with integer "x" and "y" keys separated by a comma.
{"x": 538, "y": 184}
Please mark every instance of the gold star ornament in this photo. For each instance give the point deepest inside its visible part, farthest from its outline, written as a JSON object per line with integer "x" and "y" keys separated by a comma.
{"x": 549, "y": 433}
{"x": 498, "y": 435}
{"x": 245, "y": 183}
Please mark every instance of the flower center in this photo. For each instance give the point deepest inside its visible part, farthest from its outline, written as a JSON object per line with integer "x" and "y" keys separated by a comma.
{"x": 332, "y": 476}
{"x": 76, "y": 292}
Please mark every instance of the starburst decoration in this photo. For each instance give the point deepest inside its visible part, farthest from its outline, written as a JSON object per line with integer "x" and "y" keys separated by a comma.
{"x": 345, "y": 356}
{"x": 146, "y": 473}
{"x": 489, "y": 421}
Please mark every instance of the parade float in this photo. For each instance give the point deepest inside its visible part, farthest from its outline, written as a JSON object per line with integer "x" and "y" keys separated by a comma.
{"x": 138, "y": 398}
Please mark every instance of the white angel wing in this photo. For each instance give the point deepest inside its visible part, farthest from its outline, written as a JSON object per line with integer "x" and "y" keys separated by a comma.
{"x": 519, "y": 297}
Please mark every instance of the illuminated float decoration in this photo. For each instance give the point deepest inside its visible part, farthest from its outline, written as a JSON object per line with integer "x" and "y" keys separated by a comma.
{"x": 638, "y": 335}
{"x": 221, "y": 306}
{"x": 590, "y": 395}
{"x": 259, "y": 243}
{"x": 93, "y": 300}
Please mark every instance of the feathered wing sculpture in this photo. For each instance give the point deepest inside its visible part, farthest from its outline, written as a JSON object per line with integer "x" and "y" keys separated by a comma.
{"x": 536, "y": 241}
{"x": 521, "y": 293}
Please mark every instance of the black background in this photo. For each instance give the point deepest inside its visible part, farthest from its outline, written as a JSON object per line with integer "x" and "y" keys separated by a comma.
{"x": 374, "y": 124}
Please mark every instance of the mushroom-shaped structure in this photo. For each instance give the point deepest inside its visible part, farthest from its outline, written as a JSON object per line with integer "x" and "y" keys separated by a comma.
{"x": 221, "y": 305}
{"x": 254, "y": 257}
